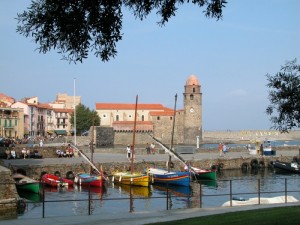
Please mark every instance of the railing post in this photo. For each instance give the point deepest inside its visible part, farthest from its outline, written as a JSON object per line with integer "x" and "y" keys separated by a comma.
{"x": 200, "y": 195}
{"x": 285, "y": 189}
{"x": 89, "y": 200}
{"x": 230, "y": 194}
{"x": 131, "y": 200}
{"x": 258, "y": 183}
{"x": 43, "y": 199}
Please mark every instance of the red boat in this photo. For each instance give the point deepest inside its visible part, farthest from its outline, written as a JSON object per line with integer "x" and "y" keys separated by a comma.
{"x": 56, "y": 181}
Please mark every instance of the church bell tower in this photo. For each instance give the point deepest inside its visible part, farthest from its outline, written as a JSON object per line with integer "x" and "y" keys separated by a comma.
{"x": 192, "y": 100}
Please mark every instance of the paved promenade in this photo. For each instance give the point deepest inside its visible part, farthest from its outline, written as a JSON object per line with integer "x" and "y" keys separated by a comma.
{"x": 117, "y": 157}
{"x": 137, "y": 218}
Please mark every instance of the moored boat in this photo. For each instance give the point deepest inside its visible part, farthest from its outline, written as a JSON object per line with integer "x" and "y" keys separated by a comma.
{"x": 56, "y": 181}
{"x": 203, "y": 174}
{"x": 136, "y": 179}
{"x": 162, "y": 176}
{"x": 26, "y": 183}
{"x": 293, "y": 167}
{"x": 86, "y": 179}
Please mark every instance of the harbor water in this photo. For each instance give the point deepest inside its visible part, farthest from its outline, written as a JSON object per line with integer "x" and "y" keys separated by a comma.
{"x": 114, "y": 199}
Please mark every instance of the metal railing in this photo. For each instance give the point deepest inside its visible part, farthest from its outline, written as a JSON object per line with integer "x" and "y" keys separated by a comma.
{"x": 228, "y": 192}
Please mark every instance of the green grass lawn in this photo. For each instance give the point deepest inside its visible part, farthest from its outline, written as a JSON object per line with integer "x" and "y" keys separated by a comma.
{"x": 270, "y": 216}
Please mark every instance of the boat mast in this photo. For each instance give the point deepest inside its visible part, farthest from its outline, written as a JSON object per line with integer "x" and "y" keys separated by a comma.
{"x": 172, "y": 137}
{"x": 133, "y": 139}
{"x": 75, "y": 134}
{"x": 92, "y": 144}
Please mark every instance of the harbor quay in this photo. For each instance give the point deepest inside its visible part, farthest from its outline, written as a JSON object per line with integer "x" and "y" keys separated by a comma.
{"x": 114, "y": 159}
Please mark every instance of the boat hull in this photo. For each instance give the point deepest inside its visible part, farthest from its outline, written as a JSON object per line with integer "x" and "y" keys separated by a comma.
{"x": 85, "y": 179}
{"x": 205, "y": 175}
{"x": 173, "y": 178}
{"x": 55, "y": 181}
{"x": 31, "y": 187}
{"x": 136, "y": 179}
{"x": 286, "y": 167}
{"x": 26, "y": 183}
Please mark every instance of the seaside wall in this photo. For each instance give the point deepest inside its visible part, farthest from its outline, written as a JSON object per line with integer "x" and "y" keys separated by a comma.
{"x": 124, "y": 138}
{"x": 8, "y": 193}
{"x": 249, "y": 135}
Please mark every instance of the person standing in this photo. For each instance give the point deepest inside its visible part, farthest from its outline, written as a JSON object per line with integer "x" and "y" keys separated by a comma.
{"x": 152, "y": 147}
{"x": 220, "y": 149}
{"x": 148, "y": 148}
{"x": 41, "y": 143}
{"x": 23, "y": 151}
{"x": 128, "y": 150}
{"x": 224, "y": 149}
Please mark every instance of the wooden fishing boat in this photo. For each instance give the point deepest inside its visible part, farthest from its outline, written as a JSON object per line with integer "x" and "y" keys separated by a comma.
{"x": 86, "y": 179}
{"x": 26, "y": 183}
{"x": 162, "y": 176}
{"x": 203, "y": 174}
{"x": 56, "y": 181}
{"x": 137, "y": 179}
{"x": 132, "y": 177}
{"x": 293, "y": 167}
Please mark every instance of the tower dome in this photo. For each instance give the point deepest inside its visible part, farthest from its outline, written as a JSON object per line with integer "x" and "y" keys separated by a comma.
{"x": 192, "y": 80}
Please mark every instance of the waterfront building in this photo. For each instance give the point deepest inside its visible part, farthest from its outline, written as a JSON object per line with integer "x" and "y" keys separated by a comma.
{"x": 158, "y": 119}
{"x": 11, "y": 122}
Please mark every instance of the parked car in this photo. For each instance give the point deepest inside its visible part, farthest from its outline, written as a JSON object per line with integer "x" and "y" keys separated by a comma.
{"x": 2, "y": 142}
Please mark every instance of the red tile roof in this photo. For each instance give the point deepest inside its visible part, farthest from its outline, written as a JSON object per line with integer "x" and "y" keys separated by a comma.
{"x": 123, "y": 106}
{"x": 44, "y": 106}
{"x": 164, "y": 113}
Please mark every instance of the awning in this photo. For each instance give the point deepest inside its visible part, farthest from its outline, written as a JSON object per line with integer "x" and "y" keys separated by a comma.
{"x": 60, "y": 132}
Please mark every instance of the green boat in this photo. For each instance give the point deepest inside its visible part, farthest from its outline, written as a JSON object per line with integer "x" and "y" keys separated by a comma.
{"x": 202, "y": 174}
{"x": 25, "y": 183}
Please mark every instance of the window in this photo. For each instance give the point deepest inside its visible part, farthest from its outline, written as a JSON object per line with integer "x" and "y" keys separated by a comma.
{"x": 143, "y": 117}
{"x": 171, "y": 118}
{"x": 117, "y": 117}
{"x": 158, "y": 118}
{"x": 194, "y": 90}
{"x": 191, "y": 97}
{"x": 104, "y": 115}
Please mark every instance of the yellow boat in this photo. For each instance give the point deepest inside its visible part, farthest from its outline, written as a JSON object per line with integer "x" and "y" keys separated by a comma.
{"x": 136, "y": 179}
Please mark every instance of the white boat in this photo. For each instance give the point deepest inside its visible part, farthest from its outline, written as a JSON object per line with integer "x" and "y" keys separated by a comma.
{"x": 262, "y": 201}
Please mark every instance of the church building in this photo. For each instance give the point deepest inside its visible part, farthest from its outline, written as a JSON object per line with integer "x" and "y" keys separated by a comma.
{"x": 158, "y": 120}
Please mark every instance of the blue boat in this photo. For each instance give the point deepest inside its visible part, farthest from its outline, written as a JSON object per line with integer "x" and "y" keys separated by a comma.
{"x": 161, "y": 176}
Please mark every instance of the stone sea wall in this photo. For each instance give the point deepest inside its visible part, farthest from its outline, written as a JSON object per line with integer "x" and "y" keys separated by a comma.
{"x": 249, "y": 135}
{"x": 8, "y": 193}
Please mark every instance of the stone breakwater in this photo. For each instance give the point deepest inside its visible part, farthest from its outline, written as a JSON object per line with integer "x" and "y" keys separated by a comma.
{"x": 249, "y": 135}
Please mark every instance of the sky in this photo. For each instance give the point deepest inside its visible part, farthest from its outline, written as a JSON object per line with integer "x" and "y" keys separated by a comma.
{"x": 230, "y": 57}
